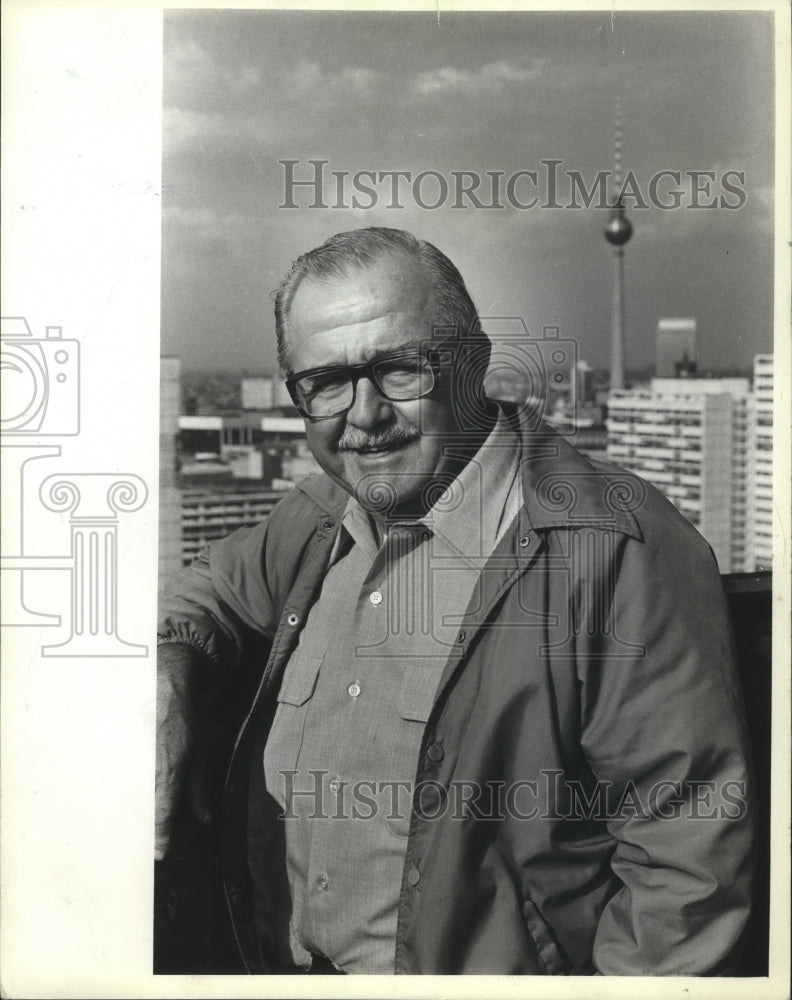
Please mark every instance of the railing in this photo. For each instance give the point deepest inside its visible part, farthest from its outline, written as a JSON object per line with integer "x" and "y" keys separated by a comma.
{"x": 751, "y": 606}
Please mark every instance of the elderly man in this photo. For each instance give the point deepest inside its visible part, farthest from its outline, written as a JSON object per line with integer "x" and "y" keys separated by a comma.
{"x": 497, "y": 728}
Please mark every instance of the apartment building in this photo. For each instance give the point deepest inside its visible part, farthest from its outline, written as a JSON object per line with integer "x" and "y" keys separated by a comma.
{"x": 689, "y": 437}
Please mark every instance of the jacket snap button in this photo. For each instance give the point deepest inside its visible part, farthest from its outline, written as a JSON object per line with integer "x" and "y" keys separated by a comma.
{"x": 435, "y": 752}
{"x": 413, "y": 876}
{"x": 293, "y": 619}
{"x": 525, "y": 541}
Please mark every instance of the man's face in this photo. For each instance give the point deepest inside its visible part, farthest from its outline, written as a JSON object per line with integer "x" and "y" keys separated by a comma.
{"x": 378, "y": 447}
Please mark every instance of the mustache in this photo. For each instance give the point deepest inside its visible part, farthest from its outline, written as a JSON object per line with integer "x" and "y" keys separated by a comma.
{"x": 355, "y": 439}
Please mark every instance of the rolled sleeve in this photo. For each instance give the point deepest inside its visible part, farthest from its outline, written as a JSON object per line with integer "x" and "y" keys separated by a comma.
{"x": 214, "y": 604}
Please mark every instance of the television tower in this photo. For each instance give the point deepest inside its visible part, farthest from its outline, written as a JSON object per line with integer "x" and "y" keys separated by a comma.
{"x": 617, "y": 233}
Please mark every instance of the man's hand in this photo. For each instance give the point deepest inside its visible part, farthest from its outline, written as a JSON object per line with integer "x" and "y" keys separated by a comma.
{"x": 178, "y": 755}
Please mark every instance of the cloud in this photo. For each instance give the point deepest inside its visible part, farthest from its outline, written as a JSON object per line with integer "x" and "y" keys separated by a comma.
{"x": 243, "y": 80}
{"x": 359, "y": 79}
{"x": 302, "y": 80}
{"x": 189, "y": 64}
{"x": 307, "y": 79}
{"x": 199, "y": 217}
{"x": 491, "y": 78}
{"x": 242, "y": 110}
{"x": 218, "y": 239}
{"x": 186, "y": 131}
{"x": 763, "y": 195}
{"x": 194, "y": 79}
{"x": 203, "y": 220}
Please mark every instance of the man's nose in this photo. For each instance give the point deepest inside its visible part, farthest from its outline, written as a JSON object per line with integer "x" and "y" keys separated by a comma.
{"x": 370, "y": 406}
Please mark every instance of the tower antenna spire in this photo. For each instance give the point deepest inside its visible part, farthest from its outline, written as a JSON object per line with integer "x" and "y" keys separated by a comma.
{"x": 617, "y": 233}
{"x": 617, "y": 144}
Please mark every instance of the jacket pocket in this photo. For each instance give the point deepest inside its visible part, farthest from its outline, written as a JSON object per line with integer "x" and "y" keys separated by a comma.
{"x": 544, "y": 939}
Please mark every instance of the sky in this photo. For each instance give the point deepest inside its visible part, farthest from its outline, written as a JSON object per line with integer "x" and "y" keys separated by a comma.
{"x": 480, "y": 91}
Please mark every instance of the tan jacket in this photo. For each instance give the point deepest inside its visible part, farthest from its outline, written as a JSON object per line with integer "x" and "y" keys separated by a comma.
{"x": 587, "y": 741}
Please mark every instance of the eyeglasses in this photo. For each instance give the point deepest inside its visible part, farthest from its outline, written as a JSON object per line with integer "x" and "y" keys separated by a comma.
{"x": 320, "y": 393}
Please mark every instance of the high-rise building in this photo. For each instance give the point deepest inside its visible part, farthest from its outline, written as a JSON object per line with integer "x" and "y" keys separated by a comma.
{"x": 264, "y": 392}
{"x": 256, "y": 393}
{"x": 211, "y": 512}
{"x": 234, "y": 470}
{"x": 676, "y": 349}
{"x": 281, "y": 397}
{"x": 760, "y": 536}
{"x": 211, "y": 431}
{"x": 245, "y": 461}
{"x": 689, "y": 438}
{"x": 170, "y": 539}
{"x": 581, "y": 390}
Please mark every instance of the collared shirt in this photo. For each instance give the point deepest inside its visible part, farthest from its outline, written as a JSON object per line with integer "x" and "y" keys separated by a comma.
{"x": 356, "y": 693}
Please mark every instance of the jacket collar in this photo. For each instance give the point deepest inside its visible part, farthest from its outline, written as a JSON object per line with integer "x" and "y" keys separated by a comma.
{"x": 561, "y": 487}
{"x": 564, "y": 489}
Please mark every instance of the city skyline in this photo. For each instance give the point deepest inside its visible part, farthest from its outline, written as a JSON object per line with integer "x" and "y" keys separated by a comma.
{"x": 705, "y": 442}
{"x": 251, "y": 98}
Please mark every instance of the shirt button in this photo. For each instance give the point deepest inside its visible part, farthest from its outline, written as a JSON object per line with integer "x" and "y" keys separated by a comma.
{"x": 461, "y": 637}
{"x": 353, "y": 690}
{"x": 323, "y": 882}
{"x": 435, "y": 752}
{"x": 413, "y": 876}
{"x": 293, "y": 619}
{"x": 375, "y": 597}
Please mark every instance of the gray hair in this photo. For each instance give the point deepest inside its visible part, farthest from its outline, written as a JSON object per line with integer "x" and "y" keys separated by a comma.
{"x": 358, "y": 248}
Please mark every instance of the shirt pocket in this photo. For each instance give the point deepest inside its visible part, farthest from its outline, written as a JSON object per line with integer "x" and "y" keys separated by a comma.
{"x": 414, "y": 703}
{"x": 282, "y": 749}
{"x": 299, "y": 679}
{"x": 417, "y": 692}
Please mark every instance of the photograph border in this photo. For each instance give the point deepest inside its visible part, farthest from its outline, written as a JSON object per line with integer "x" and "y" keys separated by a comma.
{"x": 81, "y": 232}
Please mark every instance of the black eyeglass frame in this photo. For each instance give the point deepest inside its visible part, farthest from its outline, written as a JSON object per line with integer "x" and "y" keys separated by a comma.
{"x": 366, "y": 369}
